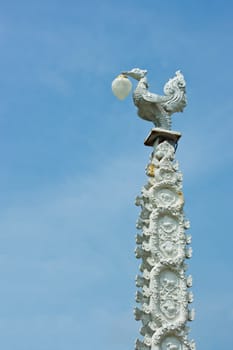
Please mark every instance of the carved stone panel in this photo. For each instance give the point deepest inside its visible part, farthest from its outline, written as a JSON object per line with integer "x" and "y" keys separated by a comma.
{"x": 171, "y": 343}
{"x": 169, "y": 298}
{"x": 168, "y": 197}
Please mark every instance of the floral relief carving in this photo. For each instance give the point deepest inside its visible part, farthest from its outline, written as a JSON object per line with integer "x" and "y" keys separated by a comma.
{"x": 168, "y": 197}
{"x": 171, "y": 343}
{"x": 169, "y": 294}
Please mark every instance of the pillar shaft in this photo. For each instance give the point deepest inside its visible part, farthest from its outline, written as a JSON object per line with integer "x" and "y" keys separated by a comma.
{"x": 163, "y": 247}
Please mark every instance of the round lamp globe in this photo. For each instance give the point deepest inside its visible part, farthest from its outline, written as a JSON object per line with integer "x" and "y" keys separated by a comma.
{"x": 121, "y": 87}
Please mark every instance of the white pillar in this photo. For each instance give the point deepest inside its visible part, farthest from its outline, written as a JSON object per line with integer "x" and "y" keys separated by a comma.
{"x": 163, "y": 246}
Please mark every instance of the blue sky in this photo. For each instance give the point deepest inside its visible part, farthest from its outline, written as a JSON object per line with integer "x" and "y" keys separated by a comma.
{"x": 73, "y": 159}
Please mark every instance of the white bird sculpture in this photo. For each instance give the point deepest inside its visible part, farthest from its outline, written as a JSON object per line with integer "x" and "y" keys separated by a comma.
{"x": 155, "y": 108}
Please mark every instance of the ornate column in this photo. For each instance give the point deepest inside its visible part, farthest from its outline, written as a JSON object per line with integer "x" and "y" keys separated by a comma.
{"x": 162, "y": 242}
{"x": 162, "y": 246}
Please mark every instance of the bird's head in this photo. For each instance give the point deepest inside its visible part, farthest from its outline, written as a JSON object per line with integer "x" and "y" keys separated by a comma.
{"x": 136, "y": 73}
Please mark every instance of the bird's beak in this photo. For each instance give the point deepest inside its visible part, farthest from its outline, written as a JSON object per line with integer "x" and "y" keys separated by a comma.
{"x": 135, "y": 74}
{"x": 131, "y": 74}
{"x": 126, "y": 73}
